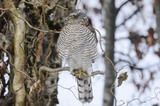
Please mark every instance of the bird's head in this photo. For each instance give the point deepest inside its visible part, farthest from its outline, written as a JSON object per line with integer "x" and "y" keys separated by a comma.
{"x": 76, "y": 17}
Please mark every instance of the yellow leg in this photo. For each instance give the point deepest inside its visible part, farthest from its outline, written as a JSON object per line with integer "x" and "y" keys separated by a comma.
{"x": 80, "y": 73}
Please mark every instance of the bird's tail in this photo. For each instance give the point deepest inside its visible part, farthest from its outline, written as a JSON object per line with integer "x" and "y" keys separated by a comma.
{"x": 85, "y": 89}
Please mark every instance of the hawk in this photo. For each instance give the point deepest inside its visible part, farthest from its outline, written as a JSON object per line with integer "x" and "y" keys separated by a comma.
{"x": 77, "y": 44}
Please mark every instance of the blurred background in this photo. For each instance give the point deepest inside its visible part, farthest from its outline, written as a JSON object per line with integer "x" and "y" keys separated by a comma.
{"x": 130, "y": 30}
{"x": 128, "y": 47}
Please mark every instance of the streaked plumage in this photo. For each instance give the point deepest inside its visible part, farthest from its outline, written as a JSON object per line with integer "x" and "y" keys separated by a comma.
{"x": 77, "y": 44}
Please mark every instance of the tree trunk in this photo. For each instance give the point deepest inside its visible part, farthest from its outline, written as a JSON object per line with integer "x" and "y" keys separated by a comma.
{"x": 157, "y": 11}
{"x": 19, "y": 56}
{"x": 109, "y": 24}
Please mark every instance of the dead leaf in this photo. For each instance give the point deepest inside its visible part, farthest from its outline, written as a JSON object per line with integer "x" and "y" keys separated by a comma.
{"x": 39, "y": 51}
{"x": 97, "y": 10}
{"x": 150, "y": 38}
{"x": 122, "y": 77}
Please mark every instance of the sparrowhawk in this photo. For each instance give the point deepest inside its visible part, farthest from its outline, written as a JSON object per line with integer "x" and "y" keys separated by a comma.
{"x": 77, "y": 44}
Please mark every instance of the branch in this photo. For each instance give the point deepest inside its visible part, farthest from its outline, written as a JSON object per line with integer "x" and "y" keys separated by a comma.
{"x": 41, "y": 30}
{"x": 100, "y": 43}
{"x": 147, "y": 100}
{"x": 118, "y": 9}
{"x": 39, "y": 4}
{"x": 97, "y": 73}
{"x": 125, "y": 20}
{"x": 56, "y": 70}
{"x": 69, "y": 90}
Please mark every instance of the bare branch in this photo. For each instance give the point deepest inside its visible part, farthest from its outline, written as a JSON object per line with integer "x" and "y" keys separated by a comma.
{"x": 147, "y": 100}
{"x": 69, "y": 90}
{"x": 118, "y": 9}
{"x": 125, "y": 20}
{"x": 49, "y": 52}
{"x": 97, "y": 73}
{"x": 23, "y": 1}
{"x": 100, "y": 43}
{"x": 51, "y": 70}
{"x": 62, "y": 7}
{"x": 51, "y": 31}
{"x": 3, "y": 9}
{"x": 56, "y": 70}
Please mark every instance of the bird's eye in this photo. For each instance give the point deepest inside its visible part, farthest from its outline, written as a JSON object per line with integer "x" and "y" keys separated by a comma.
{"x": 85, "y": 18}
{"x": 72, "y": 16}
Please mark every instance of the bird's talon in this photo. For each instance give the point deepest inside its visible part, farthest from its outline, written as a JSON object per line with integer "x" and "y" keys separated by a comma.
{"x": 80, "y": 73}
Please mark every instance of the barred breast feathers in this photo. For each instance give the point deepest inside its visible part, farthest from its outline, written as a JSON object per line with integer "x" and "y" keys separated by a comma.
{"x": 73, "y": 35}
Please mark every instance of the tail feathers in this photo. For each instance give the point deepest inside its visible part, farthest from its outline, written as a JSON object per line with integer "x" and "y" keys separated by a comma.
{"x": 85, "y": 89}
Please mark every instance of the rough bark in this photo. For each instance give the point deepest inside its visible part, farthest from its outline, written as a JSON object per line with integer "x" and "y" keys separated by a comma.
{"x": 109, "y": 24}
{"x": 157, "y": 11}
{"x": 35, "y": 49}
{"x": 19, "y": 57}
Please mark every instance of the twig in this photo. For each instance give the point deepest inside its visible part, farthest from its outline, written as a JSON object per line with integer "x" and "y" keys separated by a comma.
{"x": 100, "y": 43}
{"x": 97, "y": 73}
{"x": 39, "y": 4}
{"x": 149, "y": 99}
{"x": 43, "y": 5}
{"x": 45, "y": 31}
{"x": 112, "y": 87}
{"x": 62, "y": 7}
{"x": 3, "y": 9}
{"x": 49, "y": 52}
{"x": 66, "y": 89}
{"x": 125, "y": 20}
{"x": 118, "y": 9}
{"x": 29, "y": 23}
{"x": 69, "y": 90}
{"x": 2, "y": 14}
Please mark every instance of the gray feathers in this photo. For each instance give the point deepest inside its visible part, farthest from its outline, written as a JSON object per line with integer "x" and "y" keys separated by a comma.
{"x": 77, "y": 44}
{"x": 85, "y": 89}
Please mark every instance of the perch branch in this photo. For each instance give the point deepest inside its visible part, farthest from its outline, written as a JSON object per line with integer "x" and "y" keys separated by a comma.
{"x": 56, "y": 70}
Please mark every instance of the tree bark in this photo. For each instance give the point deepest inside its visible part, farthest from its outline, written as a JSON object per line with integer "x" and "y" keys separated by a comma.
{"x": 109, "y": 24}
{"x": 35, "y": 49}
{"x": 157, "y": 11}
{"x": 19, "y": 57}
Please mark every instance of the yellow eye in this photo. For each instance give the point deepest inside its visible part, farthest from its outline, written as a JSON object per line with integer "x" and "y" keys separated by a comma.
{"x": 72, "y": 16}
